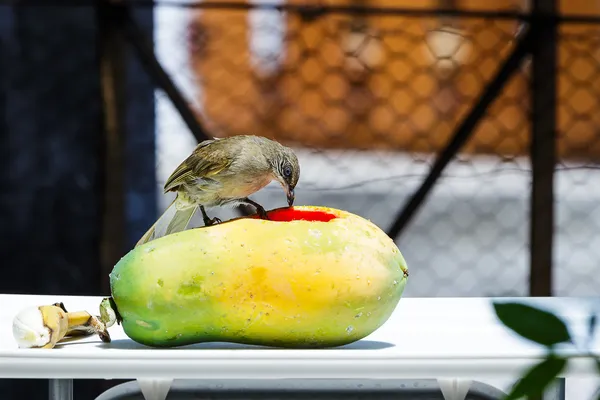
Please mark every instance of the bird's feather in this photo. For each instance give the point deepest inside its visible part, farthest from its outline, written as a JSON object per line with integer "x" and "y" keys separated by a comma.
{"x": 173, "y": 219}
{"x": 207, "y": 159}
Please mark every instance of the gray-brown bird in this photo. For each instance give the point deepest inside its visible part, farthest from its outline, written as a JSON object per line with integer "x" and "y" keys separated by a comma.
{"x": 224, "y": 172}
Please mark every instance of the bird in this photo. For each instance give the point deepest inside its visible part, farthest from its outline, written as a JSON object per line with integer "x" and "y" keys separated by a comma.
{"x": 224, "y": 172}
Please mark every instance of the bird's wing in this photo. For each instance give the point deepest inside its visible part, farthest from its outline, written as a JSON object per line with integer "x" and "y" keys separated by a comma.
{"x": 204, "y": 162}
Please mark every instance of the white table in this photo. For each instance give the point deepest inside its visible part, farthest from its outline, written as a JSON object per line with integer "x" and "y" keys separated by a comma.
{"x": 453, "y": 340}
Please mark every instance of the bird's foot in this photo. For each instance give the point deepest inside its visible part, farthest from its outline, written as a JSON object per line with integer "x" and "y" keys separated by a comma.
{"x": 211, "y": 221}
{"x": 262, "y": 213}
{"x": 259, "y": 209}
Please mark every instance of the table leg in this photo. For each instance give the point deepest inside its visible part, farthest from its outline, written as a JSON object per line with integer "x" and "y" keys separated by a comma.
{"x": 60, "y": 389}
{"x": 557, "y": 391}
{"x": 155, "y": 389}
{"x": 454, "y": 389}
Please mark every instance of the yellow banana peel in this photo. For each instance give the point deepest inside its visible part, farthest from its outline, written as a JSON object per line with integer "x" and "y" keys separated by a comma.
{"x": 46, "y": 326}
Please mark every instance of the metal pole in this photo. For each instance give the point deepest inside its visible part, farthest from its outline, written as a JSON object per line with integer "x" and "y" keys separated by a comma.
{"x": 4, "y": 141}
{"x": 60, "y": 389}
{"x": 556, "y": 391}
{"x": 543, "y": 146}
{"x": 463, "y": 132}
{"x": 112, "y": 82}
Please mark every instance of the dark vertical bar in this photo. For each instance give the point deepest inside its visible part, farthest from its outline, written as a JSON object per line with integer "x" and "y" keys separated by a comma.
{"x": 543, "y": 145}
{"x": 4, "y": 142}
{"x": 127, "y": 144}
{"x": 140, "y": 142}
{"x": 112, "y": 83}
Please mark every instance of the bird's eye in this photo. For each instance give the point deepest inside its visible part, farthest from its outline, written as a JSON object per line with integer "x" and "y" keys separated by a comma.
{"x": 287, "y": 171}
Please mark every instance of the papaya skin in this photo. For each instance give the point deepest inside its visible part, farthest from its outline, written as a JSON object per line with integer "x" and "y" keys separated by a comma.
{"x": 296, "y": 284}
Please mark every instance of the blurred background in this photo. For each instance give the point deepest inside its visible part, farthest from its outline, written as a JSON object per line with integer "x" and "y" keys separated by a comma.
{"x": 468, "y": 130}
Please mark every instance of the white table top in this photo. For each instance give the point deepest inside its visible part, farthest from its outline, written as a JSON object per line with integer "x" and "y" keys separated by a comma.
{"x": 424, "y": 338}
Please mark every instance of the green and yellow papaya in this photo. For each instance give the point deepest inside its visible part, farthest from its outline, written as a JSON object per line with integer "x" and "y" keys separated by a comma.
{"x": 310, "y": 277}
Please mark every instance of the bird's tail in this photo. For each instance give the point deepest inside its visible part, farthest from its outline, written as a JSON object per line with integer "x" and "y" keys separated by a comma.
{"x": 171, "y": 221}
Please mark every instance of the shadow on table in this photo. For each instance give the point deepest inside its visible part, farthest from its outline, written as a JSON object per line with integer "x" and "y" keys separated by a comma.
{"x": 131, "y": 345}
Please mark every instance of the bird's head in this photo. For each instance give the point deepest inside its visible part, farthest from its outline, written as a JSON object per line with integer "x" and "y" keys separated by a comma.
{"x": 286, "y": 171}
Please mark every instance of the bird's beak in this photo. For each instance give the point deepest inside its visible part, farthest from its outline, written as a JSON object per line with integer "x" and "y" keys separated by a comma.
{"x": 290, "y": 196}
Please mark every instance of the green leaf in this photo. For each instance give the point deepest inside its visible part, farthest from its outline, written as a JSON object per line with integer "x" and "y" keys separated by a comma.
{"x": 537, "y": 379}
{"x": 532, "y": 323}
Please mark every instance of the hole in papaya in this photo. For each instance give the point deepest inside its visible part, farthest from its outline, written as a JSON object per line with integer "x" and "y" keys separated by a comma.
{"x": 289, "y": 214}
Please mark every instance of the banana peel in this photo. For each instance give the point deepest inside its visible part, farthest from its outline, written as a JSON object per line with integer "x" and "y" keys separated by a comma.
{"x": 46, "y": 326}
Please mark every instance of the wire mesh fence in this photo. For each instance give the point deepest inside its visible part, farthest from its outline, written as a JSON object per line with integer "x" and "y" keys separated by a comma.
{"x": 577, "y": 182}
{"x": 368, "y": 101}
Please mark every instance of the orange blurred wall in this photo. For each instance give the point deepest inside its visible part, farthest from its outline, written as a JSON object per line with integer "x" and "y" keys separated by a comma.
{"x": 403, "y": 99}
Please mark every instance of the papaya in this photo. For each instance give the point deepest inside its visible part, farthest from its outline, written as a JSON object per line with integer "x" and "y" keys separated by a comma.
{"x": 308, "y": 277}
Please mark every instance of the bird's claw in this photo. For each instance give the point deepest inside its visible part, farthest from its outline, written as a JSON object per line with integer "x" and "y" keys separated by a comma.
{"x": 262, "y": 213}
{"x": 213, "y": 221}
